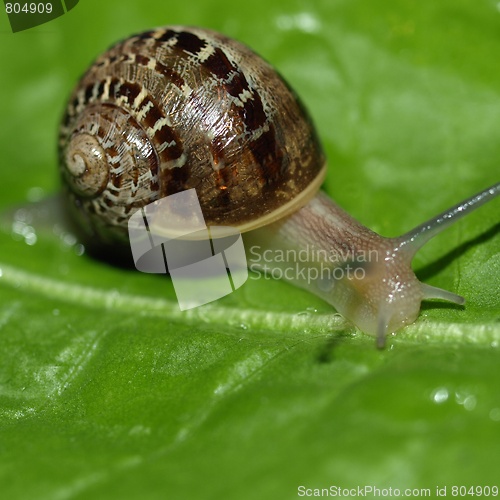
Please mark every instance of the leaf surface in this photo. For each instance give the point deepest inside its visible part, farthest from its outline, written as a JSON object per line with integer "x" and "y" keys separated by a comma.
{"x": 108, "y": 391}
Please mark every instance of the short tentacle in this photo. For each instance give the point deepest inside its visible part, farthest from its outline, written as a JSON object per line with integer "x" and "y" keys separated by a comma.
{"x": 432, "y": 292}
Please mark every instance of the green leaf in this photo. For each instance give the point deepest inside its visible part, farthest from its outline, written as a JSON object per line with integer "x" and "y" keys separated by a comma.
{"x": 108, "y": 391}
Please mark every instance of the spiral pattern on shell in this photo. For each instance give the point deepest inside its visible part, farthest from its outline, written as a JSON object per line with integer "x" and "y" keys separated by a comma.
{"x": 178, "y": 108}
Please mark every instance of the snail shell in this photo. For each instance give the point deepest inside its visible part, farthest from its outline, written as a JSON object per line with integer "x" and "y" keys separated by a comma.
{"x": 178, "y": 108}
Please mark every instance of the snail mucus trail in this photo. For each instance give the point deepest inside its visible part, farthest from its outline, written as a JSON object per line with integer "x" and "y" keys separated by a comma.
{"x": 177, "y": 108}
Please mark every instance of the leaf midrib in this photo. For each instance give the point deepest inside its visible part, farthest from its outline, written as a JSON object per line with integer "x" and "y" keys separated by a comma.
{"x": 280, "y": 322}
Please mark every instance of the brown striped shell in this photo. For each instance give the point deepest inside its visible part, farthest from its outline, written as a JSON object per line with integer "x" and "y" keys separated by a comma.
{"x": 178, "y": 108}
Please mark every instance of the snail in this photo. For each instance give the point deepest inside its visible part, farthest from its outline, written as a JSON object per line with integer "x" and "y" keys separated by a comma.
{"x": 177, "y": 108}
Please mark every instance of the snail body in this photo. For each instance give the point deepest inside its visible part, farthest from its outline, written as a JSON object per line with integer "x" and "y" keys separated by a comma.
{"x": 178, "y": 108}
